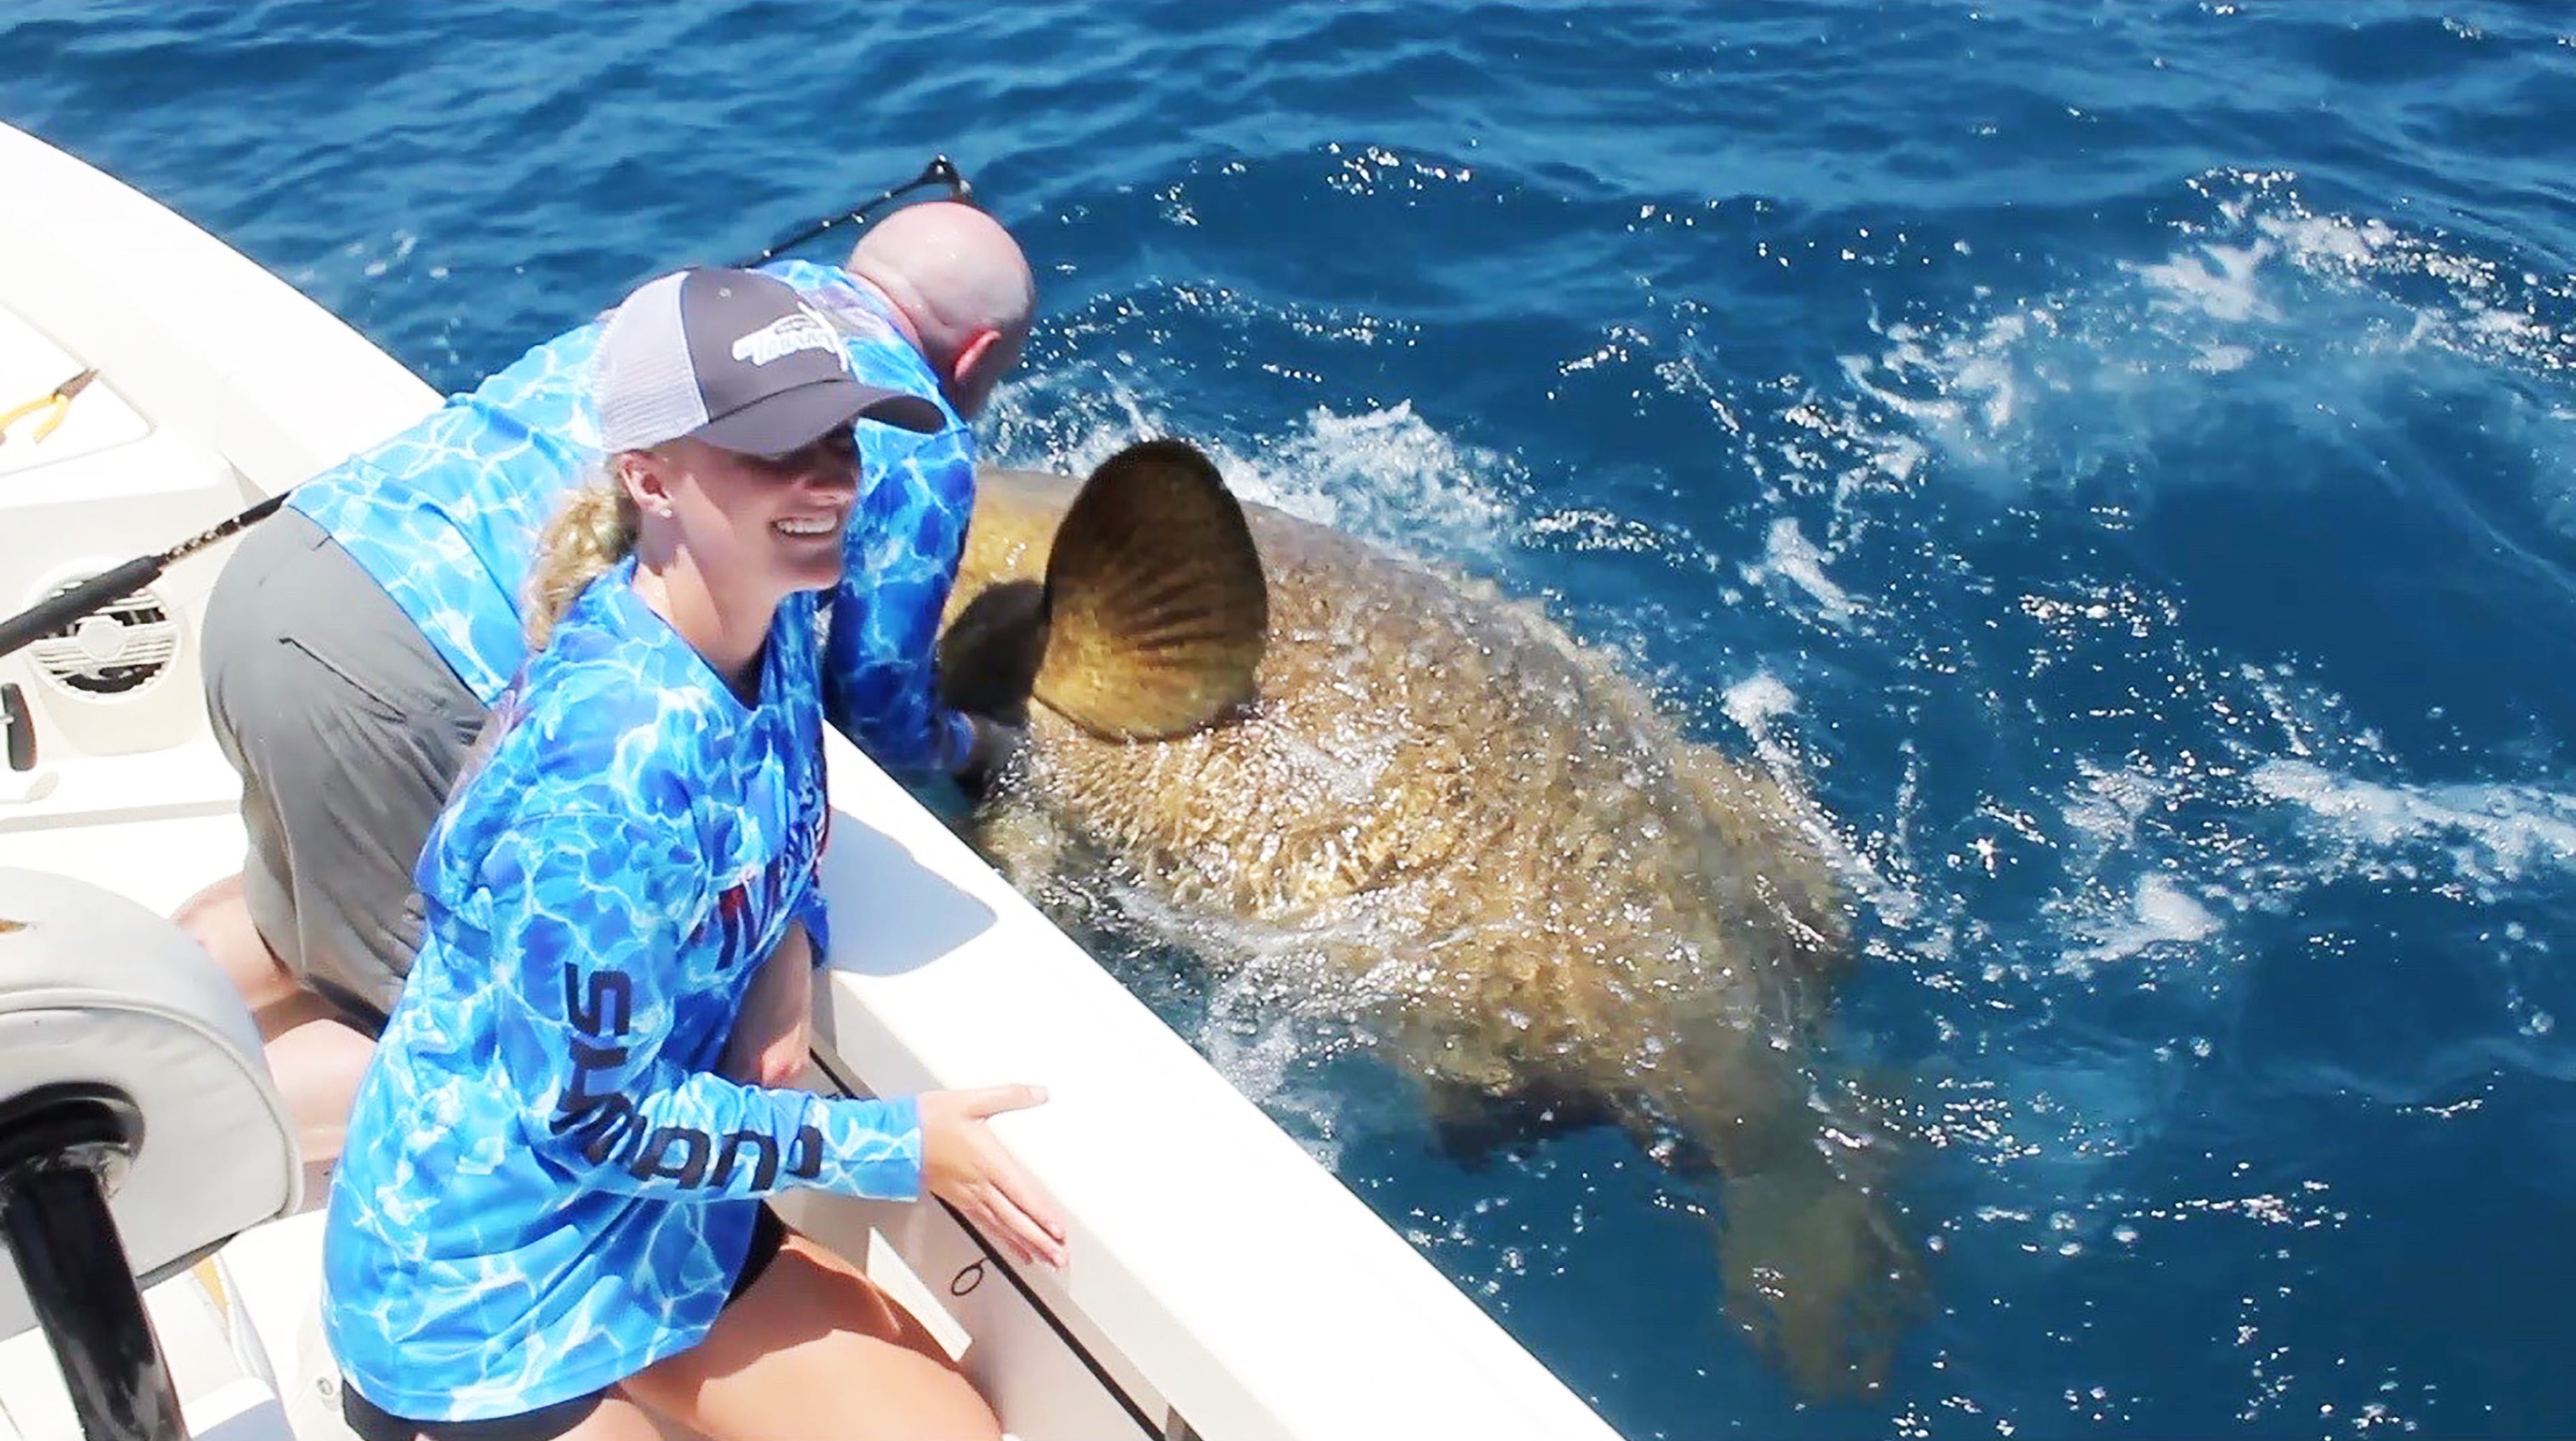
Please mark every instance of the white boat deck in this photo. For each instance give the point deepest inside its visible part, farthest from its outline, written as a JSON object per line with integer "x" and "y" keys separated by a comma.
{"x": 1223, "y": 1285}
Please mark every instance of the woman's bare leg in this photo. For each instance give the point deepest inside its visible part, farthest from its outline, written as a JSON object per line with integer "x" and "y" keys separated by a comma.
{"x": 814, "y": 1349}
{"x": 617, "y": 1419}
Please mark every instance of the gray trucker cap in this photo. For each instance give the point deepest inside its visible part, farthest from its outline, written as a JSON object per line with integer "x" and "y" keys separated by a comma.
{"x": 737, "y": 359}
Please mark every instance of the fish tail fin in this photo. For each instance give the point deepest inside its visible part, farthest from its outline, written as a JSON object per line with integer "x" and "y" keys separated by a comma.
{"x": 1155, "y": 611}
{"x": 1820, "y": 1271}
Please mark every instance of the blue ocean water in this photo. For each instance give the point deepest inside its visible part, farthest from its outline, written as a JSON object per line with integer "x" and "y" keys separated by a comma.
{"x": 2122, "y": 455}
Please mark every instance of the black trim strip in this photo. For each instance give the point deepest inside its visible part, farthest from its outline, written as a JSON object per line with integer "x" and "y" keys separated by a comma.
{"x": 994, "y": 1260}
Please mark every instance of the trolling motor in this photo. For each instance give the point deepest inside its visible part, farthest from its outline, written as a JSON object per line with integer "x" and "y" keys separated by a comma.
{"x": 138, "y": 1132}
{"x": 44, "y": 619}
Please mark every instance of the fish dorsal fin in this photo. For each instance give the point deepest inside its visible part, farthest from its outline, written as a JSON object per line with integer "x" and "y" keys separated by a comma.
{"x": 1156, "y": 607}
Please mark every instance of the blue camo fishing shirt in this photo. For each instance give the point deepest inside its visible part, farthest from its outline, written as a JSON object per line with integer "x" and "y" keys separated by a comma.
{"x": 547, "y": 1187}
{"x": 446, "y": 515}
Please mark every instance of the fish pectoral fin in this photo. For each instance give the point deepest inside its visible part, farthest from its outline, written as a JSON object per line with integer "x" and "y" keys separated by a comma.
{"x": 988, "y": 656}
{"x": 1157, "y": 611}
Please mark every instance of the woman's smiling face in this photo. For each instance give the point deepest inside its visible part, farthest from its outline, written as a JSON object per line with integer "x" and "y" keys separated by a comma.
{"x": 764, "y": 524}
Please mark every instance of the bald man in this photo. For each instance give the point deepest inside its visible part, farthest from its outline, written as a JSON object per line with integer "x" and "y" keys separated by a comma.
{"x": 356, "y": 641}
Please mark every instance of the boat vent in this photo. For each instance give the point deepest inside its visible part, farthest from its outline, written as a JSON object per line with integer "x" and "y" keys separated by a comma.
{"x": 115, "y": 651}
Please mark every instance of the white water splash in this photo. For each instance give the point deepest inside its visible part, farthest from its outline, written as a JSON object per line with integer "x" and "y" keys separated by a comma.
{"x": 1385, "y": 475}
{"x": 2160, "y": 913}
{"x": 2492, "y": 836}
{"x": 2058, "y": 389}
{"x": 2217, "y": 281}
{"x": 1790, "y": 556}
{"x": 1756, "y": 702}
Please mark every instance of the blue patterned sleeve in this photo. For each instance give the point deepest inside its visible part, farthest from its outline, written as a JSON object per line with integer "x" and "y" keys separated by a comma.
{"x": 589, "y": 915}
{"x": 879, "y": 667}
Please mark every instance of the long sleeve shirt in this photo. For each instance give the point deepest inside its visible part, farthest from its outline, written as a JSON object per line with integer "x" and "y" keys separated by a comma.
{"x": 547, "y": 1185}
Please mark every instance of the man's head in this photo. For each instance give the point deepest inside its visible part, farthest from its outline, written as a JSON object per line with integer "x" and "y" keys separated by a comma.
{"x": 961, "y": 280}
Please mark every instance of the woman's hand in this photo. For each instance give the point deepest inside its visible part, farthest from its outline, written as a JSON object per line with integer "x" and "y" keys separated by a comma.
{"x": 774, "y": 1031}
{"x": 966, "y": 1165}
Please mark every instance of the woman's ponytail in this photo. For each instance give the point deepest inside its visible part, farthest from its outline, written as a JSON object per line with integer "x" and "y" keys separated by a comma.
{"x": 593, "y": 529}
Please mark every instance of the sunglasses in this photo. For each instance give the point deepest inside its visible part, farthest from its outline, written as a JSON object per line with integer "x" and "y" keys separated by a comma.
{"x": 938, "y": 172}
{"x": 838, "y": 447}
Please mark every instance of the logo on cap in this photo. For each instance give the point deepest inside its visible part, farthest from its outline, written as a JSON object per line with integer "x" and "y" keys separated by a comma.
{"x": 787, "y": 335}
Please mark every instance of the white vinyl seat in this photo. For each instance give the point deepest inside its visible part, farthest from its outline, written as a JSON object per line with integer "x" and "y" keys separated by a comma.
{"x": 97, "y": 990}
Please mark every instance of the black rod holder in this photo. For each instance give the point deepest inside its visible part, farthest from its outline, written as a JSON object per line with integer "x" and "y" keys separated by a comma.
{"x": 61, "y": 1149}
{"x": 18, "y": 727}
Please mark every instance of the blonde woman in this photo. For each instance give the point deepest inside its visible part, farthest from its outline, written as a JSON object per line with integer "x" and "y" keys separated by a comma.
{"x": 357, "y": 641}
{"x": 547, "y": 1221}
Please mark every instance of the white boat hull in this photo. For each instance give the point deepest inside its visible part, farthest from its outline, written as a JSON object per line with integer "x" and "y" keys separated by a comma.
{"x": 1223, "y": 1284}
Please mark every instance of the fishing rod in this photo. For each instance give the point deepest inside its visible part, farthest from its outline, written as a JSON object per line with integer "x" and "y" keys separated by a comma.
{"x": 105, "y": 589}
{"x": 937, "y": 172}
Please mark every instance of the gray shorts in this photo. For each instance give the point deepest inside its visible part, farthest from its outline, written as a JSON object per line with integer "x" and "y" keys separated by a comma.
{"x": 348, "y": 730}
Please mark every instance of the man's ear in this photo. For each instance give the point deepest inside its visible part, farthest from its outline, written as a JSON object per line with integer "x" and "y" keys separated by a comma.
{"x": 972, "y": 357}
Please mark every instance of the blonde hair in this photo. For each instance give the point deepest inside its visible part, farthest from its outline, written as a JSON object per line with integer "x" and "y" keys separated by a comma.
{"x": 593, "y": 529}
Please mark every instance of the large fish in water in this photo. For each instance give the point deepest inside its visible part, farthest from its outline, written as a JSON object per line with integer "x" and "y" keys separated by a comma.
{"x": 1555, "y": 905}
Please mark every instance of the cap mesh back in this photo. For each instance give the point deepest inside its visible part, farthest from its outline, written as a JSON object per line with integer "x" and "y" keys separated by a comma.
{"x": 646, "y": 390}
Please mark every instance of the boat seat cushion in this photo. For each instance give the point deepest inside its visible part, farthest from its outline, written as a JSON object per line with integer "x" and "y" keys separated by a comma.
{"x": 96, "y": 989}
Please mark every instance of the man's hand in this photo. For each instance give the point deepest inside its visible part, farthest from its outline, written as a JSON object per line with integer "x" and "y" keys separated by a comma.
{"x": 965, "y": 1164}
{"x": 997, "y": 743}
{"x": 775, "y": 1029}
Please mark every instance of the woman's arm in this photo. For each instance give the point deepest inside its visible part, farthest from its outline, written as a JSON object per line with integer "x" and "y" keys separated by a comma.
{"x": 586, "y": 957}
{"x": 589, "y": 916}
